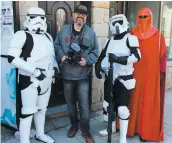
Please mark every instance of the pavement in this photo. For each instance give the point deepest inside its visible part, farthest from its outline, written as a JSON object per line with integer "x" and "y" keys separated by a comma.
{"x": 57, "y": 128}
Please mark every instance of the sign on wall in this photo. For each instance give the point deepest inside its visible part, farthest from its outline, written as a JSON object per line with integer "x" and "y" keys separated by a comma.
{"x": 8, "y": 72}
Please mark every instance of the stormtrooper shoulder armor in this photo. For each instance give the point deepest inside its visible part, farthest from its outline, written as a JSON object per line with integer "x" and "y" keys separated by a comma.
{"x": 133, "y": 45}
{"x": 18, "y": 40}
{"x": 133, "y": 41}
{"x": 15, "y": 50}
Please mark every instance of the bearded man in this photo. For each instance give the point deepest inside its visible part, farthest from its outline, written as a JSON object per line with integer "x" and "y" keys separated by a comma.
{"x": 76, "y": 50}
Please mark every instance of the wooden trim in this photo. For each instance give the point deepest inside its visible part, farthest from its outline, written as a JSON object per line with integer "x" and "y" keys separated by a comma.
{"x": 160, "y": 15}
{"x": 88, "y": 4}
{"x": 125, "y": 7}
{"x": 16, "y": 16}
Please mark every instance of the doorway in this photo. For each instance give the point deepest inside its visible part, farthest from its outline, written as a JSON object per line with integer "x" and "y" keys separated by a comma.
{"x": 59, "y": 13}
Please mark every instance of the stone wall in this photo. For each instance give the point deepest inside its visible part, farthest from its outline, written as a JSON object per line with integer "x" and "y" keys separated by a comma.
{"x": 99, "y": 21}
{"x": 169, "y": 75}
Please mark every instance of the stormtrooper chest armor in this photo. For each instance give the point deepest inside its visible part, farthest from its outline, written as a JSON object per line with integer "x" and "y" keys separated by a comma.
{"x": 42, "y": 53}
{"x": 118, "y": 47}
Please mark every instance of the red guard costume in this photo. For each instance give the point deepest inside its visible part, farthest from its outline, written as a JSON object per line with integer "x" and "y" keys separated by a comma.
{"x": 147, "y": 100}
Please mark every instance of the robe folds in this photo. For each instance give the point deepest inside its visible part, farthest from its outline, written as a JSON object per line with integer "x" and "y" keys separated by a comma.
{"x": 147, "y": 99}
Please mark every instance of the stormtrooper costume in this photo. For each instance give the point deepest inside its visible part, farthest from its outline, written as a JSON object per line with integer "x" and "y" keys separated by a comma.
{"x": 32, "y": 52}
{"x": 124, "y": 49}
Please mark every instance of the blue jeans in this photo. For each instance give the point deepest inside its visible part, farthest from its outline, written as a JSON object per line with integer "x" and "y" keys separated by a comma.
{"x": 80, "y": 89}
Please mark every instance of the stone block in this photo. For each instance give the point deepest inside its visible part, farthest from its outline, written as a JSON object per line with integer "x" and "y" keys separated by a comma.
{"x": 101, "y": 4}
{"x": 106, "y": 18}
{"x": 101, "y": 42}
{"x": 98, "y": 15}
{"x": 106, "y": 15}
{"x": 101, "y": 29}
{"x": 97, "y": 83}
{"x": 169, "y": 63}
{"x": 95, "y": 98}
{"x": 25, "y": 5}
{"x": 97, "y": 106}
{"x": 93, "y": 72}
{"x": 22, "y": 18}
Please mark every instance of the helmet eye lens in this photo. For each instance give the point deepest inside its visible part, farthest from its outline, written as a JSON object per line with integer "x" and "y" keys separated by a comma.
{"x": 119, "y": 21}
{"x": 42, "y": 17}
{"x": 143, "y": 16}
{"x": 32, "y": 17}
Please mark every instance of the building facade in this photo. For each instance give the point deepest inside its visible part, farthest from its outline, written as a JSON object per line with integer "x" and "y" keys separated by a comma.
{"x": 59, "y": 13}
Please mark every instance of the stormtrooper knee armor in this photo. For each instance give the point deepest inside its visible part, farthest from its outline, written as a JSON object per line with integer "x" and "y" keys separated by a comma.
{"x": 32, "y": 52}
{"x": 123, "y": 114}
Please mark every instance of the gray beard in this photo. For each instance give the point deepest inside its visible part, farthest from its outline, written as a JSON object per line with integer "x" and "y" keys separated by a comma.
{"x": 79, "y": 23}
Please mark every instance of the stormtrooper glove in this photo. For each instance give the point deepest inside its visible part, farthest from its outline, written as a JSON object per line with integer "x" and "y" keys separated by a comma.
{"x": 38, "y": 73}
{"x": 120, "y": 60}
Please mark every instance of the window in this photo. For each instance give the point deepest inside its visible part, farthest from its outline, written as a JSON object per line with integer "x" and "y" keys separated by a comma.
{"x": 60, "y": 18}
{"x": 116, "y": 7}
{"x": 135, "y": 6}
{"x": 166, "y": 26}
{"x": 165, "y": 22}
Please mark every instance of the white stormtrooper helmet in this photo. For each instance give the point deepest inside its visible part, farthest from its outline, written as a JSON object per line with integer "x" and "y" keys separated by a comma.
{"x": 118, "y": 24}
{"x": 35, "y": 20}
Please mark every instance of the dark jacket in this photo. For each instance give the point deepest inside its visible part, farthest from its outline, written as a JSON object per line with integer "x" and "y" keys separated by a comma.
{"x": 89, "y": 45}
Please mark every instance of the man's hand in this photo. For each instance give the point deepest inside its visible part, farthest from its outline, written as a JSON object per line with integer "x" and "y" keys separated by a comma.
{"x": 62, "y": 60}
{"x": 56, "y": 73}
{"x": 82, "y": 62}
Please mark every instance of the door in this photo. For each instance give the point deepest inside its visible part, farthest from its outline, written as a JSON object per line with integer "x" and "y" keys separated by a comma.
{"x": 59, "y": 13}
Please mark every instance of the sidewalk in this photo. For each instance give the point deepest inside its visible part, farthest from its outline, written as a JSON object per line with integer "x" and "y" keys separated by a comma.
{"x": 58, "y": 127}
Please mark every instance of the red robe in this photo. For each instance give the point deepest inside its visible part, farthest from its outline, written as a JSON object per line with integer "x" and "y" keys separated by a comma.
{"x": 147, "y": 99}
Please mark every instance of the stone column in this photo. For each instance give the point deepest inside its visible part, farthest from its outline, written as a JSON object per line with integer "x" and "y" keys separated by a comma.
{"x": 99, "y": 21}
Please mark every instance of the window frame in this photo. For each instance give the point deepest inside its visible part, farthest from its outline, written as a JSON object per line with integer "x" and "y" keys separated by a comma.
{"x": 160, "y": 25}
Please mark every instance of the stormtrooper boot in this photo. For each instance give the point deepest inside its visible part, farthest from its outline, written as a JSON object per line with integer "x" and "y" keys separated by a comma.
{"x": 105, "y": 132}
{"x": 39, "y": 118}
{"x": 24, "y": 128}
{"x": 123, "y": 131}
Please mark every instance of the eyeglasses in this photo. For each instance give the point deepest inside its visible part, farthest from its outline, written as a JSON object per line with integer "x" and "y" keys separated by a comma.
{"x": 83, "y": 14}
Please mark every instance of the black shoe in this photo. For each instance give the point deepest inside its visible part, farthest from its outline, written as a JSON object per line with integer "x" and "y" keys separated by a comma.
{"x": 88, "y": 138}
{"x": 72, "y": 131}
